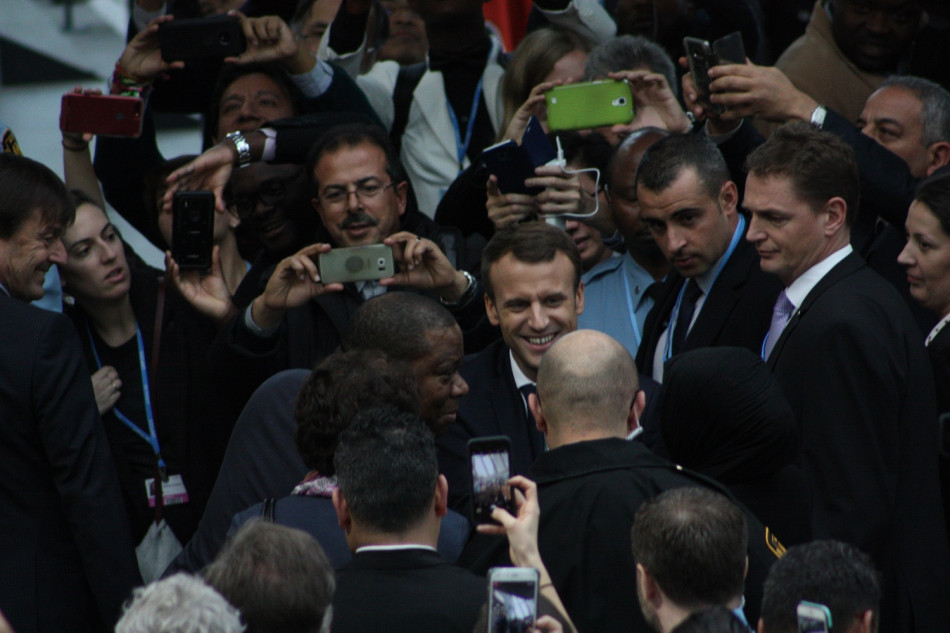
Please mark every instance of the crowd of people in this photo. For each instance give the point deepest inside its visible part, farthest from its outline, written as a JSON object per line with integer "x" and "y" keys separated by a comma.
{"x": 713, "y": 338}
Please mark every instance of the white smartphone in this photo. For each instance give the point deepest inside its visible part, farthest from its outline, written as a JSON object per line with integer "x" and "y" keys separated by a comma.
{"x": 813, "y": 617}
{"x": 512, "y": 599}
{"x": 357, "y": 263}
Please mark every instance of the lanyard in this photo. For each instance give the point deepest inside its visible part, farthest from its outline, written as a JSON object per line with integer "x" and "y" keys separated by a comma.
{"x": 460, "y": 146}
{"x": 736, "y": 236}
{"x": 152, "y": 436}
{"x": 937, "y": 328}
{"x": 633, "y": 317}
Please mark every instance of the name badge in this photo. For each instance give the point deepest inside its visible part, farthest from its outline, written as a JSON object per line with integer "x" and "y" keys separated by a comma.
{"x": 173, "y": 491}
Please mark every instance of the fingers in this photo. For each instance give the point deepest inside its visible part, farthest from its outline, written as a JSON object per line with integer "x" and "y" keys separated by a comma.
{"x": 409, "y": 250}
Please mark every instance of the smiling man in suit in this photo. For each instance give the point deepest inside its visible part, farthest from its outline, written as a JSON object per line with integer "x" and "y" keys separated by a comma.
{"x": 715, "y": 294}
{"x": 849, "y": 357}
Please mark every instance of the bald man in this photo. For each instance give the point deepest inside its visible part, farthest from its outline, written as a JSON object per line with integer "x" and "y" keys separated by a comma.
{"x": 592, "y": 481}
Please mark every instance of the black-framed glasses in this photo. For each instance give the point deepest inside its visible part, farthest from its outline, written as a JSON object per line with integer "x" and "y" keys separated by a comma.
{"x": 364, "y": 190}
{"x": 271, "y": 192}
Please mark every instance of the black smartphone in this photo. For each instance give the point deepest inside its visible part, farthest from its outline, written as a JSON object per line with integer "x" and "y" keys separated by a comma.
{"x": 702, "y": 56}
{"x": 489, "y": 464}
{"x": 201, "y": 38}
{"x": 193, "y": 229}
{"x": 102, "y": 115}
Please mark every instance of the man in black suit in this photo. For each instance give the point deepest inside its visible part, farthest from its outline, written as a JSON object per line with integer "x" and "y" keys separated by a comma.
{"x": 849, "y": 357}
{"x": 66, "y": 553}
{"x": 716, "y": 294}
{"x": 389, "y": 502}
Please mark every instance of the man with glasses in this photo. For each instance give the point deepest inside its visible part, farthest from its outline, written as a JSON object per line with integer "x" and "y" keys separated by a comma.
{"x": 360, "y": 197}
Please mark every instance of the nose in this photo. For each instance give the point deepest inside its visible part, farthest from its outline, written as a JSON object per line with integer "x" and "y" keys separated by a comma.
{"x": 539, "y": 317}
{"x": 110, "y": 251}
{"x": 878, "y": 22}
{"x": 675, "y": 239}
{"x": 57, "y": 253}
{"x": 459, "y": 386}
{"x": 353, "y": 201}
{"x": 754, "y": 234}
{"x": 906, "y": 258}
{"x": 571, "y": 226}
{"x": 249, "y": 110}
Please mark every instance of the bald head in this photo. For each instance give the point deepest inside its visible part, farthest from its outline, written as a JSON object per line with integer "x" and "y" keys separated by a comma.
{"x": 587, "y": 385}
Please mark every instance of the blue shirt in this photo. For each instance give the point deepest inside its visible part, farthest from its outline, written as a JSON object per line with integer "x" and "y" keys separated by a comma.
{"x": 611, "y": 289}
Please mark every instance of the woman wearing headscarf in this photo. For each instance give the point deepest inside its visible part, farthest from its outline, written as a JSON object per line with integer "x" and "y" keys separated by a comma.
{"x": 722, "y": 414}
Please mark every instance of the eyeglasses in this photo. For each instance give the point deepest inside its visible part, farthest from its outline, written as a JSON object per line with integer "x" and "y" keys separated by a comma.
{"x": 364, "y": 190}
{"x": 270, "y": 193}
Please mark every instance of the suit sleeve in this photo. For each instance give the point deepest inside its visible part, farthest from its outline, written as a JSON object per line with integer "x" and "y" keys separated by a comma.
{"x": 82, "y": 467}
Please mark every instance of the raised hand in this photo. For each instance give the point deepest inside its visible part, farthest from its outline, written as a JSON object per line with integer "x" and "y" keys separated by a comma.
{"x": 505, "y": 209}
{"x": 422, "y": 264}
{"x": 295, "y": 281}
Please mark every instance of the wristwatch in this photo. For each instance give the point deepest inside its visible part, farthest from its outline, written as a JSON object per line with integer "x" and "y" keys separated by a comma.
{"x": 242, "y": 146}
{"x": 818, "y": 116}
{"x": 466, "y": 296}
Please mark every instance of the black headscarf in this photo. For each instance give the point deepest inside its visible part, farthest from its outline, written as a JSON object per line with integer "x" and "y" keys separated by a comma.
{"x": 723, "y": 414}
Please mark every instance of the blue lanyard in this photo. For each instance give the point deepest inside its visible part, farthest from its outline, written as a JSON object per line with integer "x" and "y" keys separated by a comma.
{"x": 633, "y": 317}
{"x": 736, "y": 236}
{"x": 152, "y": 436}
{"x": 462, "y": 148}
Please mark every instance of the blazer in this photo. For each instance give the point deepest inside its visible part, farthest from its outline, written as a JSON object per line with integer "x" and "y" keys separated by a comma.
{"x": 66, "y": 551}
{"x": 406, "y": 591}
{"x": 737, "y": 311}
{"x": 853, "y": 368}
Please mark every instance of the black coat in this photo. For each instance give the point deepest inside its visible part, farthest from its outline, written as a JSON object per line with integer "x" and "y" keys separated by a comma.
{"x": 66, "y": 552}
{"x": 853, "y": 368}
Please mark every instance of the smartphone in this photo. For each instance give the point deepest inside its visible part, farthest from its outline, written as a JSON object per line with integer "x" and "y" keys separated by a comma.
{"x": 512, "y": 599}
{"x": 588, "y": 105}
{"x": 702, "y": 56}
{"x": 193, "y": 229}
{"x": 357, "y": 263}
{"x": 102, "y": 115}
{"x": 489, "y": 463}
{"x": 813, "y": 617}
{"x": 511, "y": 166}
{"x": 201, "y": 38}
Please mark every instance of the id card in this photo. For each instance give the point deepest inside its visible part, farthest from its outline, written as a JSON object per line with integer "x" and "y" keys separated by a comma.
{"x": 173, "y": 491}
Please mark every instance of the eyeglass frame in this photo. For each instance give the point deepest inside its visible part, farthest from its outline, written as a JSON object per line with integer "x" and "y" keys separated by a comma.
{"x": 346, "y": 191}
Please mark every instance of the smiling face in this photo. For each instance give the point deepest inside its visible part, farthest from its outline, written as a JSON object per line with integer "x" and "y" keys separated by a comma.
{"x": 534, "y": 305}
{"x": 690, "y": 226}
{"x": 438, "y": 378}
{"x": 927, "y": 259}
{"x": 264, "y": 196}
{"x": 249, "y": 102}
{"x": 95, "y": 268}
{"x": 27, "y": 255}
{"x": 875, "y": 33}
{"x": 407, "y": 42}
{"x": 893, "y": 117}
{"x": 357, "y": 220}
{"x": 789, "y": 235}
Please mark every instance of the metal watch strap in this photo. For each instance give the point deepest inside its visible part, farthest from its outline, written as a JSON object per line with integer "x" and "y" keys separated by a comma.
{"x": 818, "y": 116}
{"x": 242, "y": 146}
{"x": 466, "y": 296}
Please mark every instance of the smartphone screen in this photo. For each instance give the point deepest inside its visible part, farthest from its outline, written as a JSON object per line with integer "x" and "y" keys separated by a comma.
{"x": 813, "y": 617}
{"x": 490, "y": 469}
{"x": 513, "y": 606}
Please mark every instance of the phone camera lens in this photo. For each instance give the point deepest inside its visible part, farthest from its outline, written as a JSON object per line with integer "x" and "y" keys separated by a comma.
{"x": 224, "y": 39}
{"x": 194, "y": 216}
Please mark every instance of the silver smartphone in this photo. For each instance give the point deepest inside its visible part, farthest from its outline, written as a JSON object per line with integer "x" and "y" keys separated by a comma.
{"x": 356, "y": 263}
{"x": 512, "y": 599}
{"x": 813, "y": 617}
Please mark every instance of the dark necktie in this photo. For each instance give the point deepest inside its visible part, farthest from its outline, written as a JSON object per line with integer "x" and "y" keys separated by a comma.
{"x": 537, "y": 440}
{"x": 684, "y": 317}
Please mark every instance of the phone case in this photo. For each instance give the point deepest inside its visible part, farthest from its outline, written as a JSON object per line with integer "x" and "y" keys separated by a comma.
{"x": 511, "y": 166}
{"x": 357, "y": 263}
{"x": 193, "y": 229}
{"x": 102, "y": 115}
{"x": 201, "y": 38}
{"x": 589, "y": 105}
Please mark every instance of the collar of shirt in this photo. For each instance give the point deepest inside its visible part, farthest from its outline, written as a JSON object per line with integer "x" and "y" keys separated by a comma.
{"x": 520, "y": 379}
{"x": 5, "y": 291}
{"x": 800, "y": 288}
{"x": 394, "y": 548}
{"x": 708, "y": 278}
{"x": 370, "y": 289}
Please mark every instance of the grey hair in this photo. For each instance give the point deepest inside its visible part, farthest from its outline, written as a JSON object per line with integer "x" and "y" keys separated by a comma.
{"x": 179, "y": 604}
{"x": 935, "y": 99}
{"x": 629, "y": 52}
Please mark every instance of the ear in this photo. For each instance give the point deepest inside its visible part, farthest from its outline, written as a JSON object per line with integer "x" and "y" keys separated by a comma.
{"x": 760, "y": 627}
{"x": 837, "y": 210}
{"x": 579, "y": 297}
{"x": 648, "y": 587}
{"x": 342, "y": 511}
{"x": 441, "y": 496}
{"x": 491, "y": 311}
{"x": 233, "y": 220}
{"x": 939, "y": 153}
{"x": 745, "y": 570}
{"x": 636, "y": 410}
{"x": 866, "y": 623}
{"x": 402, "y": 190}
{"x": 534, "y": 405}
{"x": 728, "y": 197}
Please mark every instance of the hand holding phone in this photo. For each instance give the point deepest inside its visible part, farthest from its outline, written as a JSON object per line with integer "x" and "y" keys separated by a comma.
{"x": 193, "y": 229}
{"x": 356, "y": 263}
{"x": 702, "y": 56}
{"x": 512, "y": 599}
{"x": 102, "y": 115}
{"x": 589, "y": 105}
{"x": 489, "y": 459}
{"x": 219, "y": 36}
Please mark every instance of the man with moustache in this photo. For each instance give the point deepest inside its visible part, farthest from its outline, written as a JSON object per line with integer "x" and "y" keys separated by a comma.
{"x": 619, "y": 292}
{"x": 716, "y": 293}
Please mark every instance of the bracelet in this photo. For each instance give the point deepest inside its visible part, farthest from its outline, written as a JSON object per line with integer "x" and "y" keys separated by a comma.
{"x": 124, "y": 84}
{"x": 547, "y": 584}
{"x": 76, "y": 148}
{"x": 241, "y": 146}
{"x": 466, "y": 296}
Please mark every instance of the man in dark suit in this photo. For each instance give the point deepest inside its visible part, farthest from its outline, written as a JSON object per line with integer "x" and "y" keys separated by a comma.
{"x": 389, "y": 502}
{"x": 716, "y": 294}
{"x": 849, "y": 357}
{"x": 66, "y": 553}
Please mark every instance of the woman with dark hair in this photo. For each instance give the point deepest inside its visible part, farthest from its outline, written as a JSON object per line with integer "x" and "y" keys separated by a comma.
{"x": 722, "y": 414}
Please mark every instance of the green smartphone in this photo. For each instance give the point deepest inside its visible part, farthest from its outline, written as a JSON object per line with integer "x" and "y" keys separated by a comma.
{"x": 588, "y": 105}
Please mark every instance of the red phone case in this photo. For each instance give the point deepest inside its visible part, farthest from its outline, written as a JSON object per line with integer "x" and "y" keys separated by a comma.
{"x": 103, "y": 115}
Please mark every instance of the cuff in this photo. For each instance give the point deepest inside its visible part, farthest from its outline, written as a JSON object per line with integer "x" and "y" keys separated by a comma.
{"x": 317, "y": 81}
{"x": 255, "y": 329}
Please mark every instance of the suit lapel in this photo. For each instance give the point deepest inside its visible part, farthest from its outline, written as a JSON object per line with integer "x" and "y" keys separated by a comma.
{"x": 722, "y": 298}
{"x": 656, "y": 321}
